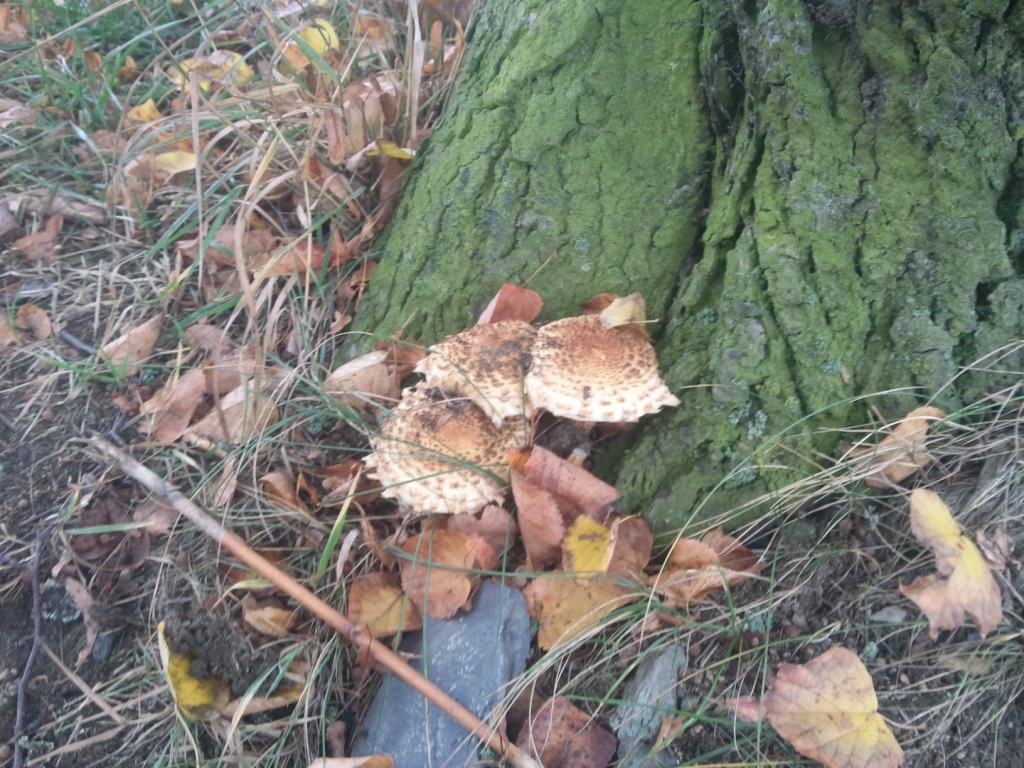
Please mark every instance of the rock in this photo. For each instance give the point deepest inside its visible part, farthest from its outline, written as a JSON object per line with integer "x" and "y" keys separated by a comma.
{"x": 651, "y": 694}
{"x": 471, "y": 657}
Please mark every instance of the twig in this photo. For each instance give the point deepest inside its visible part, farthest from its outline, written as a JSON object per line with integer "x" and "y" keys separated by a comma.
{"x": 37, "y": 638}
{"x": 380, "y": 653}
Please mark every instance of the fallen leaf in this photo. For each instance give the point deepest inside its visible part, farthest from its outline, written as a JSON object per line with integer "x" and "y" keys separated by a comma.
{"x": 902, "y": 453}
{"x": 146, "y": 112}
{"x": 280, "y": 486}
{"x": 171, "y": 409}
{"x": 159, "y": 515}
{"x": 319, "y": 37}
{"x": 131, "y": 349}
{"x": 79, "y": 594}
{"x": 541, "y": 525}
{"x": 567, "y": 608}
{"x": 970, "y": 588}
{"x": 575, "y": 491}
{"x": 631, "y": 542}
{"x": 269, "y": 617}
{"x": 378, "y": 604}
{"x": 586, "y": 549}
{"x": 241, "y": 413}
{"x": 563, "y": 736}
{"x": 694, "y": 569}
{"x": 512, "y": 303}
{"x": 58, "y": 202}
{"x": 435, "y": 574}
{"x": 197, "y": 699}
{"x": 41, "y": 245}
{"x": 220, "y": 67}
{"x": 367, "y": 380}
{"x": 493, "y": 524}
{"x": 33, "y": 319}
{"x": 626, "y": 310}
{"x": 828, "y": 711}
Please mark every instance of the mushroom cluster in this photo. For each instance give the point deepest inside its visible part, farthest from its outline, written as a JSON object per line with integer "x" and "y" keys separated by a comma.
{"x": 443, "y": 449}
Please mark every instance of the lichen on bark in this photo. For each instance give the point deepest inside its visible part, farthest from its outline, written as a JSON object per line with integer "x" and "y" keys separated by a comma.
{"x": 821, "y": 200}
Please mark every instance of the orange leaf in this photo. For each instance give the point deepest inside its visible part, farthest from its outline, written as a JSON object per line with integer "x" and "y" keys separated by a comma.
{"x": 563, "y": 736}
{"x": 377, "y": 603}
{"x": 540, "y": 523}
{"x": 430, "y": 577}
{"x": 828, "y": 711}
{"x": 493, "y": 524}
{"x": 32, "y": 318}
{"x": 512, "y": 303}
{"x": 632, "y": 542}
{"x": 902, "y": 453}
{"x": 268, "y": 617}
{"x": 694, "y": 568}
{"x": 970, "y": 588}
{"x": 567, "y": 608}
{"x": 575, "y": 491}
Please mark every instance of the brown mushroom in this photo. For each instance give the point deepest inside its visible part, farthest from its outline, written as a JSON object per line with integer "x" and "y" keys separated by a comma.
{"x": 582, "y": 370}
{"x": 487, "y": 364}
{"x": 437, "y": 454}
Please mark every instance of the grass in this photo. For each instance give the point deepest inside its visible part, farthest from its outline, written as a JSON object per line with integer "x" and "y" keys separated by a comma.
{"x": 836, "y": 550}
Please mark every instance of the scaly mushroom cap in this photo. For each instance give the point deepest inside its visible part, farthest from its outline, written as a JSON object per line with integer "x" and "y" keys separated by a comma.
{"x": 439, "y": 455}
{"x": 584, "y": 371}
{"x": 487, "y": 364}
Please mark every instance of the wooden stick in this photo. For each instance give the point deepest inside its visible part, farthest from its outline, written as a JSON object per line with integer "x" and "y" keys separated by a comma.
{"x": 383, "y": 655}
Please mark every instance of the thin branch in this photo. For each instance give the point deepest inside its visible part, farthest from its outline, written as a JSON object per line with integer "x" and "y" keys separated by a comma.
{"x": 383, "y": 655}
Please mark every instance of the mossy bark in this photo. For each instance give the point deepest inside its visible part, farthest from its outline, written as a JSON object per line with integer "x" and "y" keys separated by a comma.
{"x": 820, "y": 200}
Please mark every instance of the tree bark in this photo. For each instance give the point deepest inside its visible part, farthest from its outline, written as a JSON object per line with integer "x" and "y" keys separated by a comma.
{"x": 820, "y": 200}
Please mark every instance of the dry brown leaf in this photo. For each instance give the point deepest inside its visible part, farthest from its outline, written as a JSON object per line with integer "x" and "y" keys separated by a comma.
{"x": 970, "y": 588}
{"x": 12, "y": 31}
{"x": 366, "y": 381}
{"x": 41, "y": 245}
{"x": 828, "y": 711}
{"x": 632, "y": 542}
{"x": 242, "y": 413}
{"x": 58, "y": 202}
{"x": 575, "y": 491}
{"x": 540, "y": 523}
{"x": 280, "y": 487}
{"x": 131, "y": 349}
{"x": 435, "y": 573}
{"x": 79, "y": 594}
{"x": 493, "y": 524}
{"x": 695, "y": 569}
{"x": 32, "y": 318}
{"x": 902, "y": 453}
{"x": 269, "y": 617}
{"x": 563, "y": 736}
{"x": 171, "y": 409}
{"x": 512, "y": 303}
{"x": 567, "y": 608}
{"x": 159, "y": 515}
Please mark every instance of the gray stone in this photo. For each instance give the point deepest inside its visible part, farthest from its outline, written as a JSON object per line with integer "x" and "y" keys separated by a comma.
{"x": 652, "y": 693}
{"x": 471, "y": 657}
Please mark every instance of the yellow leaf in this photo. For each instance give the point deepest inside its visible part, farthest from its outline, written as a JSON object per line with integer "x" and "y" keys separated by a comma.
{"x": 587, "y": 547}
{"x": 828, "y": 711}
{"x": 385, "y": 147}
{"x": 219, "y": 66}
{"x": 970, "y": 588}
{"x": 321, "y": 37}
{"x": 173, "y": 162}
{"x": 146, "y": 112}
{"x": 567, "y": 608}
{"x": 624, "y": 311}
{"x": 195, "y": 698}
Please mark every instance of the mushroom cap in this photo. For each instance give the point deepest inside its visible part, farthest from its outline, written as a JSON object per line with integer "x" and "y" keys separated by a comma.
{"x": 440, "y": 455}
{"x": 582, "y": 370}
{"x": 487, "y": 364}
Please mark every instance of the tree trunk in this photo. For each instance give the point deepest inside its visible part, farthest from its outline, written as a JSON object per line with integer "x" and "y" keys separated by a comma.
{"x": 820, "y": 200}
